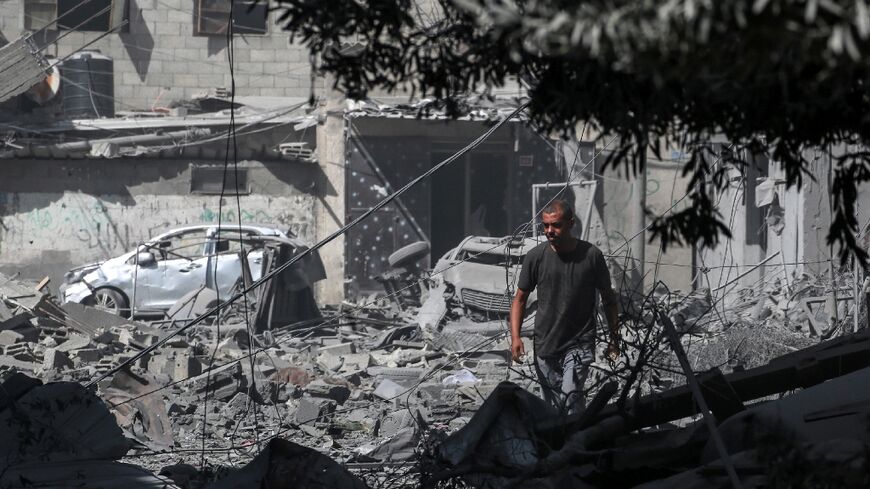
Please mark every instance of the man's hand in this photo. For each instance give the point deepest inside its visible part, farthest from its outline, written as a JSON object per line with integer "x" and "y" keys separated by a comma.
{"x": 518, "y": 349}
{"x": 613, "y": 348}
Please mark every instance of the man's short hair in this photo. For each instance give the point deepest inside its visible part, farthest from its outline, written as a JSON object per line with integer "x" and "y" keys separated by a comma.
{"x": 560, "y": 206}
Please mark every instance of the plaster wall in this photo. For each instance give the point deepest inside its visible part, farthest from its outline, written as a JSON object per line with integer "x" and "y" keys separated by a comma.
{"x": 623, "y": 219}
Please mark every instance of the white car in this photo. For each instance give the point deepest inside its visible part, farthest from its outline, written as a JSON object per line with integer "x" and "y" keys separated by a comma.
{"x": 481, "y": 271}
{"x": 169, "y": 266}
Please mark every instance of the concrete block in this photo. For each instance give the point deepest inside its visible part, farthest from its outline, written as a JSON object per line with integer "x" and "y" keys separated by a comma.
{"x": 389, "y": 390}
{"x": 88, "y": 355}
{"x": 20, "y": 351}
{"x": 263, "y": 55}
{"x": 74, "y": 342}
{"x": 159, "y": 364}
{"x": 262, "y": 81}
{"x": 328, "y": 362}
{"x": 394, "y": 421}
{"x": 356, "y": 362}
{"x": 9, "y": 337}
{"x": 222, "y": 383}
{"x": 210, "y": 81}
{"x": 311, "y": 410}
{"x": 340, "y": 349}
{"x": 320, "y": 388}
{"x": 186, "y": 366}
{"x": 169, "y": 28}
{"x": 55, "y": 360}
{"x": 185, "y": 80}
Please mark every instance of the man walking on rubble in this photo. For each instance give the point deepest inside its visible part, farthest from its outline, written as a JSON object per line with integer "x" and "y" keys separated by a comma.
{"x": 567, "y": 272}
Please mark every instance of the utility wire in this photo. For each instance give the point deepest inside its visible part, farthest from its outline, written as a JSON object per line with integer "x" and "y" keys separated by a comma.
{"x": 57, "y": 19}
{"x": 317, "y": 246}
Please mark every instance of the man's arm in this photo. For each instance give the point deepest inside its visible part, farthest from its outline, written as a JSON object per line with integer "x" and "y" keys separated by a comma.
{"x": 611, "y": 310}
{"x": 518, "y": 310}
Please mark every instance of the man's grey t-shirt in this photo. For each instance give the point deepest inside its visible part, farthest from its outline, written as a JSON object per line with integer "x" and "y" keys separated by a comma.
{"x": 567, "y": 285}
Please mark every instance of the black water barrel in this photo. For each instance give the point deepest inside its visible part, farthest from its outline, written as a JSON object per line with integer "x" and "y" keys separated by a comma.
{"x": 88, "y": 86}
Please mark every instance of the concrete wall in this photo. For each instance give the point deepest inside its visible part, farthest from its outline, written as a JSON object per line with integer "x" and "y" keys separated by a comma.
{"x": 621, "y": 219}
{"x": 801, "y": 239}
{"x": 63, "y": 213}
{"x": 159, "y": 59}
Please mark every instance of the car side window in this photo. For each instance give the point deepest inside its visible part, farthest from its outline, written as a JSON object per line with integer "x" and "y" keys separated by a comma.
{"x": 187, "y": 245}
{"x": 233, "y": 245}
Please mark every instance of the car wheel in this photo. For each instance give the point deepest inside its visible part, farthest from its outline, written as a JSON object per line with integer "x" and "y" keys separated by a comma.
{"x": 408, "y": 255}
{"x": 110, "y": 300}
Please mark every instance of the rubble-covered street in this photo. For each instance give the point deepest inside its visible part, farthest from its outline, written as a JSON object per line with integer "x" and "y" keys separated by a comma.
{"x": 434, "y": 244}
{"x": 368, "y": 396}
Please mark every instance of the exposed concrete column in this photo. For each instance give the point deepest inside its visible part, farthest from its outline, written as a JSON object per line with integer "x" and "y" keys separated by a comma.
{"x": 329, "y": 207}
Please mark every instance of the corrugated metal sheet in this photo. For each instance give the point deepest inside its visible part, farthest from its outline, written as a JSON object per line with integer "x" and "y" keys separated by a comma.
{"x": 21, "y": 67}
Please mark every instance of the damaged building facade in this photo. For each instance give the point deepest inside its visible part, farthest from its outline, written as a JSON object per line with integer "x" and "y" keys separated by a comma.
{"x": 392, "y": 368}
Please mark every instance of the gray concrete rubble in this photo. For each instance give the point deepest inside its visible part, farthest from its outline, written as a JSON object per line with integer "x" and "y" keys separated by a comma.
{"x": 377, "y": 394}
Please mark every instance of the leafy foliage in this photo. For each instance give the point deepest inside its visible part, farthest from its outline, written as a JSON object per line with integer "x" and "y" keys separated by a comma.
{"x": 774, "y": 77}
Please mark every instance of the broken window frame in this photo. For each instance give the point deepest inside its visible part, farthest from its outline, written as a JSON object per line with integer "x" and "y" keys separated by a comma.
{"x": 56, "y": 10}
{"x": 207, "y": 180}
{"x": 210, "y": 17}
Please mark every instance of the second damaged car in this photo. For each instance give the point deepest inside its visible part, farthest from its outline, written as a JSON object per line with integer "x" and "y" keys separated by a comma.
{"x": 480, "y": 273}
{"x": 150, "y": 279}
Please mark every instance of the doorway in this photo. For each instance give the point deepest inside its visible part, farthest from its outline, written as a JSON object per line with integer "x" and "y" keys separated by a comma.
{"x": 469, "y": 197}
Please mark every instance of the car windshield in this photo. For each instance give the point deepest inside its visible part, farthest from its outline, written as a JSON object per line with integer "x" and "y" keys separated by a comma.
{"x": 496, "y": 259}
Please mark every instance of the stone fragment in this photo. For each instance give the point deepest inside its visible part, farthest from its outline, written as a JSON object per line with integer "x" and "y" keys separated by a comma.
{"x": 389, "y": 390}
{"x": 88, "y": 355}
{"x": 238, "y": 404}
{"x": 311, "y": 410}
{"x": 222, "y": 383}
{"x": 320, "y": 388}
{"x": 159, "y": 364}
{"x": 10, "y": 337}
{"x": 55, "y": 360}
{"x": 329, "y": 362}
{"x": 186, "y": 366}
{"x": 20, "y": 351}
{"x": 339, "y": 349}
{"x": 356, "y": 362}
{"x": 394, "y": 421}
{"x": 75, "y": 341}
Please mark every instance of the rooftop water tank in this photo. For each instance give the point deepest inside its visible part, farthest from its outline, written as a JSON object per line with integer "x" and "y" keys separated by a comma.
{"x": 88, "y": 86}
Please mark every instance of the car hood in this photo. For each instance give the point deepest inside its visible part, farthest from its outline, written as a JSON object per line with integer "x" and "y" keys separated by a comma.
{"x": 478, "y": 276}
{"x": 109, "y": 270}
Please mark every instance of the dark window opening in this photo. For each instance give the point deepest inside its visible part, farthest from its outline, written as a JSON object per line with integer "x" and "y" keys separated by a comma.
{"x": 91, "y": 15}
{"x": 212, "y": 16}
{"x": 209, "y": 181}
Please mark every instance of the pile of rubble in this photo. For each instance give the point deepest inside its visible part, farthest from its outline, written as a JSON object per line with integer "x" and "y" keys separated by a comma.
{"x": 359, "y": 388}
{"x": 385, "y": 396}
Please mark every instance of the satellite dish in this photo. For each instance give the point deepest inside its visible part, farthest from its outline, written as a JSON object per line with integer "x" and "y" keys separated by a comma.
{"x": 47, "y": 89}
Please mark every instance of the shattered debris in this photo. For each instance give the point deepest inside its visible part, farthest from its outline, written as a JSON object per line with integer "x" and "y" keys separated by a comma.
{"x": 432, "y": 394}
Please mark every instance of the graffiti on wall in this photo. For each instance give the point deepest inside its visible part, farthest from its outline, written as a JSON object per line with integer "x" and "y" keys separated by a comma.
{"x": 92, "y": 228}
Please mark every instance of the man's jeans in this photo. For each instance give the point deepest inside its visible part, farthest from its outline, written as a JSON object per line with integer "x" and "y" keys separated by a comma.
{"x": 563, "y": 379}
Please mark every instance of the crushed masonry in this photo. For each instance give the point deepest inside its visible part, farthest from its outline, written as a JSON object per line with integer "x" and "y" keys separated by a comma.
{"x": 420, "y": 394}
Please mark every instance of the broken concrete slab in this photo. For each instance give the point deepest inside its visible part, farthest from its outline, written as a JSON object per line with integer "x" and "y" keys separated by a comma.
{"x": 321, "y": 388}
{"x": 52, "y": 359}
{"x": 9, "y": 337}
{"x": 338, "y": 349}
{"x": 84, "y": 319}
{"x": 389, "y": 390}
{"x": 310, "y": 410}
{"x": 222, "y": 382}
